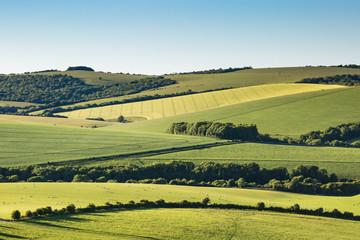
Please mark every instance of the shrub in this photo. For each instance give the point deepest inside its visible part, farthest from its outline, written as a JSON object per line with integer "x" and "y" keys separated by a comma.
{"x": 205, "y": 201}
{"x": 260, "y": 206}
{"x": 16, "y": 215}
{"x": 70, "y": 208}
{"x": 28, "y": 214}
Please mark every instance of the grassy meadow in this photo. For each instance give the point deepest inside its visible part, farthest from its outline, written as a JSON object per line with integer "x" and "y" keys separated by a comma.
{"x": 182, "y": 224}
{"x": 161, "y": 108}
{"x": 24, "y": 144}
{"x": 287, "y": 115}
{"x": 342, "y": 161}
{"x": 30, "y": 196}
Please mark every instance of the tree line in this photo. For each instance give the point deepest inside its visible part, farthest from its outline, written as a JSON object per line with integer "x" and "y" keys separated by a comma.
{"x": 341, "y": 135}
{"x": 205, "y": 203}
{"x": 302, "y": 179}
{"x": 59, "y": 89}
{"x": 216, "y": 129}
{"x": 346, "y": 79}
{"x": 213, "y": 71}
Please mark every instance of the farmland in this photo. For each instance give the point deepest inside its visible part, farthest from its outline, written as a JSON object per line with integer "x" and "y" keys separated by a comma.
{"x": 182, "y": 224}
{"x": 24, "y": 143}
{"x": 339, "y": 160}
{"x": 30, "y": 196}
{"x": 173, "y": 106}
{"x": 287, "y": 115}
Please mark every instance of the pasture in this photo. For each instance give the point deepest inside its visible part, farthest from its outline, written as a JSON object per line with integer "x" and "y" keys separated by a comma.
{"x": 30, "y": 196}
{"x": 25, "y": 144}
{"x": 342, "y": 161}
{"x": 167, "y": 107}
{"x": 182, "y": 224}
{"x": 287, "y": 115}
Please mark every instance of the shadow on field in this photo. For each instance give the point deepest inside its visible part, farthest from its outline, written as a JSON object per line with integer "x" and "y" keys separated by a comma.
{"x": 143, "y": 154}
{"x": 7, "y": 236}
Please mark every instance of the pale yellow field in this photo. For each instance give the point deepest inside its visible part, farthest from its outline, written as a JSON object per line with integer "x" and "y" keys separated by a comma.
{"x": 54, "y": 121}
{"x": 161, "y": 108}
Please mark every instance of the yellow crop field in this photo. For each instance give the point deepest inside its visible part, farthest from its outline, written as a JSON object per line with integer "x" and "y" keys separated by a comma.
{"x": 161, "y": 108}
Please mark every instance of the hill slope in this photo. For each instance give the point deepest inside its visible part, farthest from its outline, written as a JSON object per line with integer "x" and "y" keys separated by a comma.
{"x": 173, "y": 106}
{"x": 182, "y": 224}
{"x": 288, "y": 115}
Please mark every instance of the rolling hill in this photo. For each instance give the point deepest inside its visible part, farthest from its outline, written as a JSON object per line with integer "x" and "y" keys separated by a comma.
{"x": 161, "y": 108}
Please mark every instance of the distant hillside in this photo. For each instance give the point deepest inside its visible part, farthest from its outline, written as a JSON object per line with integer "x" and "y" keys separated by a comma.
{"x": 62, "y": 89}
{"x": 174, "y": 106}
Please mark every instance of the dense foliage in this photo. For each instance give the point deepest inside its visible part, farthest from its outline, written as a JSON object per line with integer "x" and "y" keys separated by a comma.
{"x": 348, "y": 66}
{"x": 303, "y": 179}
{"x": 346, "y": 79}
{"x": 340, "y": 135}
{"x": 205, "y": 203}
{"x": 216, "y": 129}
{"x": 80, "y": 68}
{"x": 62, "y": 89}
{"x": 213, "y": 71}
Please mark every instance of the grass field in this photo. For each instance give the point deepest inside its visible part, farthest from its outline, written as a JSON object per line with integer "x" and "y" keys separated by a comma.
{"x": 182, "y": 224}
{"x": 288, "y": 115}
{"x": 16, "y": 104}
{"x": 161, "y": 108}
{"x": 30, "y": 196}
{"x": 24, "y": 144}
{"x": 54, "y": 121}
{"x": 342, "y": 161}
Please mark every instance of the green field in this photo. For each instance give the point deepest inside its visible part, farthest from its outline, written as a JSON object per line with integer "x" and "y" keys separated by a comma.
{"x": 24, "y": 144}
{"x": 342, "y": 161}
{"x": 16, "y": 104}
{"x": 161, "y": 108}
{"x": 30, "y": 196}
{"x": 288, "y": 115}
{"x": 182, "y": 224}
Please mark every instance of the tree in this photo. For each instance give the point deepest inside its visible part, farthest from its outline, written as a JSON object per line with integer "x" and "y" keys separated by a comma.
{"x": 28, "y": 214}
{"x": 206, "y": 201}
{"x": 81, "y": 178}
{"x": 16, "y": 215}
{"x": 121, "y": 118}
{"x": 70, "y": 208}
{"x": 260, "y": 206}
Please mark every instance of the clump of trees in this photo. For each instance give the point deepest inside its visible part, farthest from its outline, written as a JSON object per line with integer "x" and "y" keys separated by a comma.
{"x": 216, "y": 129}
{"x": 80, "y": 68}
{"x": 341, "y": 135}
{"x": 346, "y": 79}
{"x": 347, "y": 66}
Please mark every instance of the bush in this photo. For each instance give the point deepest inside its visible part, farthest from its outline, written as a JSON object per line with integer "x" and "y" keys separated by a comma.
{"x": 260, "y": 206}
{"x": 28, "y": 214}
{"x": 206, "y": 201}
{"x": 16, "y": 215}
{"x": 70, "y": 208}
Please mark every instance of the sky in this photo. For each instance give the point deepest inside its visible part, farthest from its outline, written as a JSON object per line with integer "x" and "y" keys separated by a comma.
{"x": 166, "y": 36}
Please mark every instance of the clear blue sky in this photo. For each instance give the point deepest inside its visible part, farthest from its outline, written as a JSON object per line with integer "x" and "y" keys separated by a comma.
{"x": 158, "y": 36}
